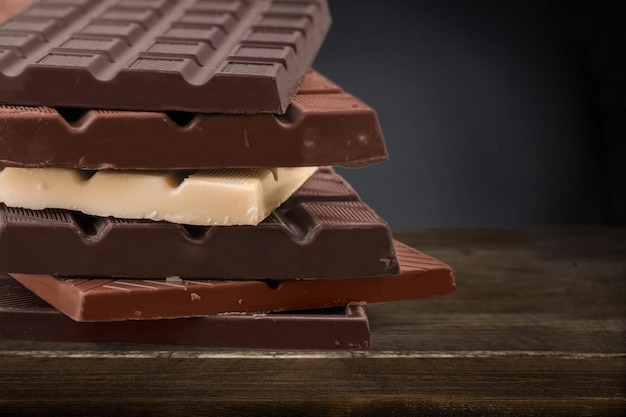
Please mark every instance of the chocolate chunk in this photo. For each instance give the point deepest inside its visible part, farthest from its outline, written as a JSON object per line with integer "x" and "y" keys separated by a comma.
{"x": 323, "y": 126}
{"x": 321, "y": 231}
{"x": 226, "y": 56}
{"x": 114, "y": 299}
{"x": 24, "y": 316}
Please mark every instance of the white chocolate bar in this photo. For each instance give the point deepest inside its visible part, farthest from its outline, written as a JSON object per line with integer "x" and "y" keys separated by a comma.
{"x": 207, "y": 197}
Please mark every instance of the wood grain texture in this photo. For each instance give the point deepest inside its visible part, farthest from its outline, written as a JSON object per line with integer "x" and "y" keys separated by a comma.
{"x": 536, "y": 328}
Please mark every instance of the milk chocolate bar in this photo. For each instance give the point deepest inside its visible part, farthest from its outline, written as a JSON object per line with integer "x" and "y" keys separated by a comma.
{"x": 222, "y": 56}
{"x": 322, "y": 126}
{"x": 322, "y": 231}
{"x": 24, "y": 316}
{"x": 117, "y": 299}
{"x": 204, "y": 198}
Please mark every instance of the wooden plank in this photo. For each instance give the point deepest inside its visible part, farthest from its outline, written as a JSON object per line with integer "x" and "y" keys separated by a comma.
{"x": 342, "y": 386}
{"x": 557, "y": 289}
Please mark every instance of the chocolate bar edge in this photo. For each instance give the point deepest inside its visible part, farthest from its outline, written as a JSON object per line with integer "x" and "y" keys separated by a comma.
{"x": 421, "y": 276}
{"x": 346, "y": 134}
{"x": 263, "y": 331}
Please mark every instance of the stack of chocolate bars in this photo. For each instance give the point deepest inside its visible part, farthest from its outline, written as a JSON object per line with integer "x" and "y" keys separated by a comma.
{"x": 165, "y": 177}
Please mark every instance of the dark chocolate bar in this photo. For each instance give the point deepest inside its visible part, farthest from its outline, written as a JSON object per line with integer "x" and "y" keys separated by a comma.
{"x": 24, "y": 316}
{"x": 211, "y": 56}
{"x": 323, "y": 126}
{"x": 114, "y": 299}
{"x": 321, "y": 231}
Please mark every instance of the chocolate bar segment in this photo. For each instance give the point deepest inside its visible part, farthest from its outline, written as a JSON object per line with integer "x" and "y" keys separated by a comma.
{"x": 222, "y": 56}
{"x": 23, "y": 316}
{"x": 205, "y": 198}
{"x": 117, "y": 299}
{"x": 323, "y": 126}
{"x": 321, "y": 231}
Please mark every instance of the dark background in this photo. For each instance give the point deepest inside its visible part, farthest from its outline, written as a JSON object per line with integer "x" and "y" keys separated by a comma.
{"x": 495, "y": 113}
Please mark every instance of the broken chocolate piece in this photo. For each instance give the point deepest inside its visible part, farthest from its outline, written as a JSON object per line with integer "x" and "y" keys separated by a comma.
{"x": 322, "y": 231}
{"x": 204, "y": 198}
{"x": 24, "y": 316}
{"x": 226, "y": 56}
{"x": 117, "y": 299}
{"x": 323, "y": 126}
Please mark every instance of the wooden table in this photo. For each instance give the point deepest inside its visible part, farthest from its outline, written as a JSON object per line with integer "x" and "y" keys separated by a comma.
{"x": 536, "y": 328}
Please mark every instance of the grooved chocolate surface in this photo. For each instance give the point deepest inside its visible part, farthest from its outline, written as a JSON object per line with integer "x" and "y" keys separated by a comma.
{"x": 323, "y": 126}
{"x": 321, "y": 231}
{"x": 226, "y": 56}
{"x": 24, "y": 316}
{"x": 114, "y": 299}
